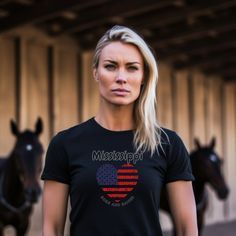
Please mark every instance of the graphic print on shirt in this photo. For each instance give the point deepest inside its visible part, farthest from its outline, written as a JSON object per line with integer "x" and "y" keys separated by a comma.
{"x": 117, "y": 184}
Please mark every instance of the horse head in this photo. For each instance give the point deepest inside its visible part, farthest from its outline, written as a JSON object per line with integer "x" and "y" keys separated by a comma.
{"x": 206, "y": 165}
{"x": 27, "y": 157}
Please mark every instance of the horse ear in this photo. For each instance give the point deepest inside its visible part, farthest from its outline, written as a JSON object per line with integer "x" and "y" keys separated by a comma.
{"x": 213, "y": 143}
{"x": 197, "y": 143}
{"x": 14, "y": 128}
{"x": 39, "y": 126}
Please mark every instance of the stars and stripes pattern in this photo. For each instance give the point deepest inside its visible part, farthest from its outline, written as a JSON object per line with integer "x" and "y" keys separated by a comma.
{"x": 117, "y": 183}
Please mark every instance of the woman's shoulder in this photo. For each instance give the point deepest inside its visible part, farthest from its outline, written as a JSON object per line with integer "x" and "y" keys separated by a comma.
{"x": 170, "y": 139}
{"x": 172, "y": 144}
{"x": 168, "y": 135}
{"x": 73, "y": 131}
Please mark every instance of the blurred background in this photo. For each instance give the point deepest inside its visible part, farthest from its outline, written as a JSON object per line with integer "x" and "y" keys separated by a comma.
{"x": 46, "y": 49}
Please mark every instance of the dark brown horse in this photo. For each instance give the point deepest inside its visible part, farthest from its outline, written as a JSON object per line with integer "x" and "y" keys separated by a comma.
{"x": 19, "y": 179}
{"x": 206, "y": 167}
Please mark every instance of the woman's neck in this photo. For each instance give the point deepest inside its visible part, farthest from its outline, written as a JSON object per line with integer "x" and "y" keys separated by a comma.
{"x": 116, "y": 118}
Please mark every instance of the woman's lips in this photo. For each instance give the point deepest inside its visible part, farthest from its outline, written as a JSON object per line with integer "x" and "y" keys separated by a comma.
{"x": 120, "y": 92}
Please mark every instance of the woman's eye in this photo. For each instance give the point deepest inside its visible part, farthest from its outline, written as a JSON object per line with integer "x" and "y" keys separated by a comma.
{"x": 132, "y": 68}
{"x": 110, "y": 67}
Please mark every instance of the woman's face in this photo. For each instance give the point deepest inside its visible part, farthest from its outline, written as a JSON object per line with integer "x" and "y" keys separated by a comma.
{"x": 120, "y": 73}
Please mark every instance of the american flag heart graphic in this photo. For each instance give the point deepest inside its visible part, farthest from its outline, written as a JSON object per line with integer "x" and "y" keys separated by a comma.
{"x": 117, "y": 183}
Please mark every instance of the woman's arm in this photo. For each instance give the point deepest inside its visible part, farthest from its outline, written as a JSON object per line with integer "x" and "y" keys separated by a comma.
{"x": 55, "y": 198}
{"x": 183, "y": 208}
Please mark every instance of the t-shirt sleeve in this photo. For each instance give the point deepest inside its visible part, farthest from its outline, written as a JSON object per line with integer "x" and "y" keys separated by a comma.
{"x": 56, "y": 163}
{"x": 179, "y": 166}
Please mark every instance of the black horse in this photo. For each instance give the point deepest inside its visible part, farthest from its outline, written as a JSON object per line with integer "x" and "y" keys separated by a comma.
{"x": 206, "y": 167}
{"x": 19, "y": 179}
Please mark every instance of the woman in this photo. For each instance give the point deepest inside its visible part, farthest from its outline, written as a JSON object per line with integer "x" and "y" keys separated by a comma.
{"x": 114, "y": 165}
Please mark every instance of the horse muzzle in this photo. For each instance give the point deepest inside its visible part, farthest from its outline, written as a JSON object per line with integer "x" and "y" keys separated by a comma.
{"x": 223, "y": 193}
{"x": 32, "y": 195}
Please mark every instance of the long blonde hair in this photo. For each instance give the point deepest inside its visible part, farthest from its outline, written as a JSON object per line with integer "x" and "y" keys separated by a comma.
{"x": 147, "y": 134}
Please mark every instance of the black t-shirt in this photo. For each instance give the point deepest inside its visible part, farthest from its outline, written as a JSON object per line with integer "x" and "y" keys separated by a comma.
{"x": 114, "y": 191}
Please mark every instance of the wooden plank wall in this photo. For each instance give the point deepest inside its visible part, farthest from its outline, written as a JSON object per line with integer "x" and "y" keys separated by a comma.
{"x": 202, "y": 107}
{"x": 7, "y": 93}
{"x": 164, "y": 98}
{"x": 66, "y": 85}
{"x": 213, "y": 129}
{"x": 40, "y": 76}
{"x": 229, "y": 147}
{"x": 90, "y": 95}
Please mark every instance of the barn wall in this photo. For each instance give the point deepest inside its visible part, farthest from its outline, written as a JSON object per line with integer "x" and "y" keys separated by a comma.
{"x": 229, "y": 147}
{"x": 90, "y": 96}
{"x": 51, "y": 78}
{"x": 181, "y": 106}
{"x": 213, "y": 129}
{"x": 203, "y": 108}
{"x": 7, "y": 93}
{"x": 65, "y": 89}
{"x": 165, "y": 97}
{"x": 38, "y": 78}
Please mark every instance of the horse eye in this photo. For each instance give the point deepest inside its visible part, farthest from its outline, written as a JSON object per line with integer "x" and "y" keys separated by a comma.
{"x": 29, "y": 147}
{"x": 213, "y": 158}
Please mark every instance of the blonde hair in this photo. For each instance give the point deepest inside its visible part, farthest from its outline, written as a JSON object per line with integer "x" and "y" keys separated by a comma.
{"x": 147, "y": 134}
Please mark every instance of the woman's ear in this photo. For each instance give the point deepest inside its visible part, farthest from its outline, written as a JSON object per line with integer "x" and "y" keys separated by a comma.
{"x": 95, "y": 74}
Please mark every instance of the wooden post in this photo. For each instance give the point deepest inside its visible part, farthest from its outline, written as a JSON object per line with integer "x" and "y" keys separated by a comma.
{"x": 164, "y": 97}
{"x": 7, "y": 94}
{"x": 229, "y": 125}
{"x": 90, "y": 94}
{"x": 181, "y": 104}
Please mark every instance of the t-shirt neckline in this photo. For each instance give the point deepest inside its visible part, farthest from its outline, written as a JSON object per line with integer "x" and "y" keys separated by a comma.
{"x": 108, "y": 130}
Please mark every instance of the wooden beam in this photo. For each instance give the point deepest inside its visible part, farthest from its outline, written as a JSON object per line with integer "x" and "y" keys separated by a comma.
{"x": 225, "y": 28}
{"x": 226, "y": 69}
{"x": 181, "y": 13}
{"x": 175, "y": 36}
{"x": 225, "y": 65}
{"x": 226, "y": 76}
{"x": 229, "y": 79}
{"x": 211, "y": 60}
{"x": 41, "y": 11}
{"x": 4, "y": 2}
{"x": 227, "y": 73}
{"x": 23, "y": 2}
{"x": 102, "y": 14}
{"x": 199, "y": 47}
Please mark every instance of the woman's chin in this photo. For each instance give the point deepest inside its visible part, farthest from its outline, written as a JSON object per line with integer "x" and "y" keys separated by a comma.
{"x": 120, "y": 102}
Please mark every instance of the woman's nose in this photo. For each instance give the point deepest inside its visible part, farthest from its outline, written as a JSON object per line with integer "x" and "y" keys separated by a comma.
{"x": 121, "y": 77}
